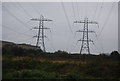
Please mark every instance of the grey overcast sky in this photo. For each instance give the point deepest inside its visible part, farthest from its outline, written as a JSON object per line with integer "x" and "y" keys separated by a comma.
{"x": 16, "y": 24}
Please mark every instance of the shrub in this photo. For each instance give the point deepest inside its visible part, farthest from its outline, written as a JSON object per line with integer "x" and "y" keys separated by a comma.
{"x": 114, "y": 53}
{"x": 31, "y": 74}
{"x": 73, "y": 77}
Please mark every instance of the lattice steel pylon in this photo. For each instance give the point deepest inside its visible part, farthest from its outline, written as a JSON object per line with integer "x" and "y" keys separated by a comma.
{"x": 85, "y": 38}
{"x": 41, "y": 36}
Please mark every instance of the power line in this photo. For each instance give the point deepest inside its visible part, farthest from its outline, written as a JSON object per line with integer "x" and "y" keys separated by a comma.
{"x": 75, "y": 45}
{"x": 106, "y": 20}
{"x": 35, "y": 9}
{"x": 96, "y": 8}
{"x": 66, "y": 17}
{"x": 77, "y": 9}
{"x": 52, "y": 38}
{"x": 51, "y": 42}
{"x": 96, "y": 48}
{"x": 64, "y": 10}
{"x": 100, "y": 11}
{"x": 24, "y": 9}
{"x": 25, "y": 39}
{"x": 73, "y": 10}
{"x": 72, "y": 48}
{"x": 24, "y": 24}
{"x": 20, "y": 33}
{"x": 16, "y": 31}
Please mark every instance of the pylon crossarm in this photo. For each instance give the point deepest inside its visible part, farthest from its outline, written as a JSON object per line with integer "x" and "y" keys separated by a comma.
{"x": 46, "y": 19}
{"x": 91, "y": 31}
{"x": 35, "y": 36}
{"x": 79, "y": 21}
{"x": 40, "y": 28}
{"x": 85, "y": 31}
{"x": 91, "y": 22}
{"x": 86, "y": 40}
{"x": 37, "y": 19}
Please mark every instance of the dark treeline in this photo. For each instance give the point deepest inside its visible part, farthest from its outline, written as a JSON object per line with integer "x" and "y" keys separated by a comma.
{"x": 15, "y": 50}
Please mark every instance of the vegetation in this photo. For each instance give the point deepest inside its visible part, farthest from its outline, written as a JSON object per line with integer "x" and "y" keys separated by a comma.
{"x": 21, "y": 63}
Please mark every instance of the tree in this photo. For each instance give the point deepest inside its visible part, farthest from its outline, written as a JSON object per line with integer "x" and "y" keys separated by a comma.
{"x": 114, "y": 53}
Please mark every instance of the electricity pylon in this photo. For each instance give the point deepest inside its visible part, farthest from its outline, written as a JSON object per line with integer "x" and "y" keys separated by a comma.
{"x": 41, "y": 36}
{"x": 85, "y": 38}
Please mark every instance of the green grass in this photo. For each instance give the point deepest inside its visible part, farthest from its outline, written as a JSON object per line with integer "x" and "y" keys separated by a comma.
{"x": 54, "y": 69}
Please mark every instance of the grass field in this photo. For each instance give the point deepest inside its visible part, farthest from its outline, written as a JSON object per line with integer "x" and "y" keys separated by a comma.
{"x": 28, "y": 64}
{"x": 43, "y": 68}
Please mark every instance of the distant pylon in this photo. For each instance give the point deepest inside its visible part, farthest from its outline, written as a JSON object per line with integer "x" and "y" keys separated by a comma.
{"x": 85, "y": 38}
{"x": 41, "y": 36}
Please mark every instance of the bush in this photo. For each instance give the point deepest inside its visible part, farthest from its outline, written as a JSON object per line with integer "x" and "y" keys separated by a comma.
{"x": 73, "y": 77}
{"x": 26, "y": 73}
{"x": 114, "y": 53}
{"x": 61, "y": 52}
{"x": 31, "y": 74}
{"x": 14, "y": 50}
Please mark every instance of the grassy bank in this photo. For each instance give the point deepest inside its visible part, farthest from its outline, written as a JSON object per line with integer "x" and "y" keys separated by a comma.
{"x": 25, "y": 63}
{"x": 36, "y": 68}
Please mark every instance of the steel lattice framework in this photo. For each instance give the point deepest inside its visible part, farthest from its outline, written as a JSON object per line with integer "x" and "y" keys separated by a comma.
{"x": 85, "y": 38}
{"x": 41, "y": 36}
